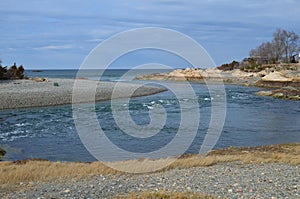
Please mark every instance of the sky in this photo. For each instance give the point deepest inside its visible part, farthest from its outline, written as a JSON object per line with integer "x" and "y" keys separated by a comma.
{"x": 59, "y": 34}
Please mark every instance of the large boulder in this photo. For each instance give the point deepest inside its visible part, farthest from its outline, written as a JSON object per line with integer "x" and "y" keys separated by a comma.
{"x": 276, "y": 77}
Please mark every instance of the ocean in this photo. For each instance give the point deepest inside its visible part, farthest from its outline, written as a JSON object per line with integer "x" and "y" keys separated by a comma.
{"x": 50, "y": 132}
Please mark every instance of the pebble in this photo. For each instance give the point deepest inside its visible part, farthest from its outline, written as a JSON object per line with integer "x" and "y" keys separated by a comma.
{"x": 67, "y": 191}
{"x": 228, "y": 180}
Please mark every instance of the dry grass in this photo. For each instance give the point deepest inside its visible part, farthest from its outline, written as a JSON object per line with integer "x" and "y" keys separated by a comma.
{"x": 38, "y": 170}
{"x": 284, "y": 153}
{"x": 165, "y": 195}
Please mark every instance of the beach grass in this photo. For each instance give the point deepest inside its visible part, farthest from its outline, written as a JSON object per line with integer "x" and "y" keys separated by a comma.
{"x": 43, "y": 170}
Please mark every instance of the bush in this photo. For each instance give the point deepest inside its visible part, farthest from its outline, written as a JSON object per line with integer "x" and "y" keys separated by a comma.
{"x": 13, "y": 72}
{"x": 3, "y": 71}
{"x": 2, "y": 153}
{"x": 233, "y": 65}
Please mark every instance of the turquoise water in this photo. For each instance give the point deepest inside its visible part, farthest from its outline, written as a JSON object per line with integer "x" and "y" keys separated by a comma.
{"x": 51, "y": 133}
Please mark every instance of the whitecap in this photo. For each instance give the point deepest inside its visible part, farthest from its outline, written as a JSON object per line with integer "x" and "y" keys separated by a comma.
{"x": 150, "y": 107}
{"x": 22, "y": 124}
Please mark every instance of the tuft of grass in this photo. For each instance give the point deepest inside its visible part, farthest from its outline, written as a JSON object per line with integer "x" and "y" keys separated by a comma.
{"x": 41, "y": 170}
{"x": 165, "y": 195}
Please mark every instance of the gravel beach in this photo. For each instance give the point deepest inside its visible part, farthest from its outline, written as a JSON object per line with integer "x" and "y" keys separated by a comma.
{"x": 28, "y": 93}
{"x": 227, "y": 180}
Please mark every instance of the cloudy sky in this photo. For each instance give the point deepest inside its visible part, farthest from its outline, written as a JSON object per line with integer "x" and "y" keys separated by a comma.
{"x": 58, "y": 34}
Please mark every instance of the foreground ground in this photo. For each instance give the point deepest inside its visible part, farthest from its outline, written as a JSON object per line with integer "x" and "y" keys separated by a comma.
{"x": 258, "y": 172}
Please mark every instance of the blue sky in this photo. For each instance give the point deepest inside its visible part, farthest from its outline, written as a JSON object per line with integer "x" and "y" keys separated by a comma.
{"x": 59, "y": 34}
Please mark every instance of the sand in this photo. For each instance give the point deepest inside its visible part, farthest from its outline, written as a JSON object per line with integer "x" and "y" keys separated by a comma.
{"x": 28, "y": 93}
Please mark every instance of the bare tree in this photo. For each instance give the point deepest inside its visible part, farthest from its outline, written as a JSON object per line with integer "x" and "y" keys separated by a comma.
{"x": 264, "y": 51}
{"x": 278, "y": 44}
{"x": 291, "y": 45}
{"x": 284, "y": 43}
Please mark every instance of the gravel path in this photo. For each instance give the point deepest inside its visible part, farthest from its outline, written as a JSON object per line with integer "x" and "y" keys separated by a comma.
{"x": 28, "y": 93}
{"x": 230, "y": 180}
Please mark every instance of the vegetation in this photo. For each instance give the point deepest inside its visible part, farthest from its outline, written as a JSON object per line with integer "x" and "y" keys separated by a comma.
{"x": 2, "y": 153}
{"x": 41, "y": 170}
{"x": 284, "y": 47}
{"x": 233, "y": 65}
{"x": 12, "y": 72}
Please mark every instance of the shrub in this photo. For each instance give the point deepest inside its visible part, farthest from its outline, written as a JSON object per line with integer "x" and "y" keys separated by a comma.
{"x": 233, "y": 65}
{"x": 13, "y": 72}
{"x": 2, "y": 153}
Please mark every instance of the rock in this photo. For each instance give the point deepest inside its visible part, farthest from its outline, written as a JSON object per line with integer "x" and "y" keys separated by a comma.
{"x": 241, "y": 74}
{"x": 67, "y": 191}
{"x": 176, "y": 73}
{"x": 38, "y": 79}
{"x": 262, "y": 73}
{"x": 56, "y": 84}
{"x": 195, "y": 74}
{"x": 278, "y": 95}
{"x": 264, "y": 93}
{"x": 210, "y": 73}
{"x": 276, "y": 77}
{"x": 289, "y": 92}
{"x": 187, "y": 70}
{"x": 290, "y": 88}
{"x": 297, "y": 97}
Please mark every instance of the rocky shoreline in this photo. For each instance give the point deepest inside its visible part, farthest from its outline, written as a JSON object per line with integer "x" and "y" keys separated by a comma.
{"x": 228, "y": 180}
{"x": 278, "y": 77}
{"x": 51, "y": 92}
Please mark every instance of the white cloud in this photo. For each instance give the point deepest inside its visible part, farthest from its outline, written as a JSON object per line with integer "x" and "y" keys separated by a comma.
{"x": 54, "y": 47}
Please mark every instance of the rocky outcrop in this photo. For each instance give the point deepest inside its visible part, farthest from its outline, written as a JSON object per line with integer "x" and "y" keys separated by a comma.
{"x": 285, "y": 78}
{"x": 188, "y": 74}
{"x": 290, "y": 93}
